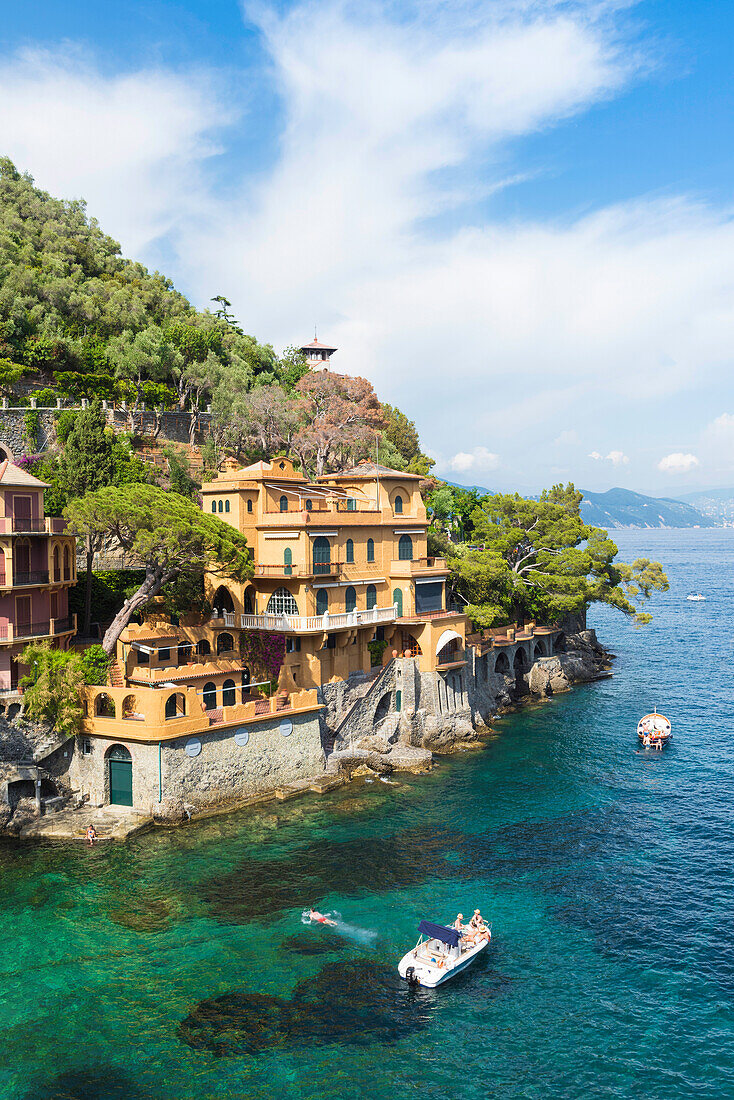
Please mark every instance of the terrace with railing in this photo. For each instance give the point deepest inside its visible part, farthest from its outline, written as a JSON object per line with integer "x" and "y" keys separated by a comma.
{"x": 27, "y": 525}
{"x": 44, "y": 628}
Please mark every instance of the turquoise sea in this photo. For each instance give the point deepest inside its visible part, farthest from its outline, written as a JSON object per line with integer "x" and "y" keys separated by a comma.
{"x": 177, "y": 966}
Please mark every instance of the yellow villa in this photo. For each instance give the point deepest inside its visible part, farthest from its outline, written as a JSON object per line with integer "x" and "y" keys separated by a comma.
{"x": 339, "y": 562}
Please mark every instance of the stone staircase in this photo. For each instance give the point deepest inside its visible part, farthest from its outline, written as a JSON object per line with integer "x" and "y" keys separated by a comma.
{"x": 114, "y": 675}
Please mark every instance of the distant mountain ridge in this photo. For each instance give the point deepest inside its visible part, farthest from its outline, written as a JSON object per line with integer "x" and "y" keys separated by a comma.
{"x": 716, "y": 504}
{"x": 623, "y": 508}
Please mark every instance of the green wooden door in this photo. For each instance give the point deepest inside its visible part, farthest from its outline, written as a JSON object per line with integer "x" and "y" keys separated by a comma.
{"x": 121, "y": 782}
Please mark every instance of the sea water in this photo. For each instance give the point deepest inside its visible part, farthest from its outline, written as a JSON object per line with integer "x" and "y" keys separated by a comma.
{"x": 177, "y": 966}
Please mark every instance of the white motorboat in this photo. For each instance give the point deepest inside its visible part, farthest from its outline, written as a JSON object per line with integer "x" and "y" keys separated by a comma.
{"x": 696, "y": 597}
{"x": 654, "y": 730}
{"x": 441, "y": 953}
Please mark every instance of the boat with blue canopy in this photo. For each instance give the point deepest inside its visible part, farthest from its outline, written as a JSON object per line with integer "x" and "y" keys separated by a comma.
{"x": 442, "y": 952}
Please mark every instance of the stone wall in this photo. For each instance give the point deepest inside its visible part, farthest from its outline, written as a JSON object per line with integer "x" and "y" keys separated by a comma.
{"x": 224, "y": 771}
{"x": 175, "y": 427}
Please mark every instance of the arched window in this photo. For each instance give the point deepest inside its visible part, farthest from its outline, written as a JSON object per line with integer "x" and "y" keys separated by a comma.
{"x": 398, "y": 506}
{"x": 370, "y": 549}
{"x": 228, "y": 693}
{"x": 67, "y": 564}
{"x": 350, "y": 599}
{"x": 397, "y": 599}
{"x": 247, "y": 604}
{"x": 284, "y": 504}
{"x": 209, "y": 696}
{"x": 184, "y": 653}
{"x": 249, "y": 506}
{"x": 214, "y": 506}
{"x": 371, "y": 597}
{"x": 175, "y": 706}
{"x": 502, "y": 664}
{"x": 226, "y": 505}
{"x": 282, "y": 603}
{"x": 225, "y": 643}
{"x": 221, "y": 506}
{"x": 130, "y": 709}
{"x": 203, "y": 649}
{"x": 287, "y": 561}
{"x": 321, "y": 555}
{"x": 405, "y": 548}
{"x": 322, "y": 601}
{"x": 57, "y": 564}
{"x": 350, "y": 551}
{"x": 309, "y": 505}
{"x": 223, "y": 600}
{"x": 104, "y": 706}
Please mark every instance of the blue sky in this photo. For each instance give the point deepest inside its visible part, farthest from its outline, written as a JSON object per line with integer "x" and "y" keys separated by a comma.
{"x": 514, "y": 216}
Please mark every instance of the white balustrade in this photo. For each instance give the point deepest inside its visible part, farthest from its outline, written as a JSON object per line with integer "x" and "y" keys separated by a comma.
{"x": 304, "y": 624}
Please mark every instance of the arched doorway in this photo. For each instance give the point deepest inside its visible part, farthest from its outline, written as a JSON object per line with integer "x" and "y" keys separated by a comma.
{"x": 322, "y": 601}
{"x": 350, "y": 599}
{"x": 228, "y": 693}
{"x": 248, "y": 601}
{"x": 397, "y": 599}
{"x": 209, "y": 696}
{"x": 321, "y": 555}
{"x": 120, "y": 776}
{"x": 371, "y": 597}
{"x": 223, "y": 600}
{"x": 225, "y": 643}
{"x": 287, "y": 561}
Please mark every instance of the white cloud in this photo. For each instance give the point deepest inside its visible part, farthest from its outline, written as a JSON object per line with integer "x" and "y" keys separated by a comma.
{"x": 678, "y": 463}
{"x": 480, "y": 460}
{"x": 132, "y": 145}
{"x": 480, "y": 330}
{"x": 617, "y": 458}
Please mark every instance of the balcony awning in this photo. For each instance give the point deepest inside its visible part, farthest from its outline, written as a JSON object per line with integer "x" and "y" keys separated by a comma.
{"x": 446, "y": 637}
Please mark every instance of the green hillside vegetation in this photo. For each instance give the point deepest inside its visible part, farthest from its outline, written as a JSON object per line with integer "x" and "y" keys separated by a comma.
{"x": 79, "y": 320}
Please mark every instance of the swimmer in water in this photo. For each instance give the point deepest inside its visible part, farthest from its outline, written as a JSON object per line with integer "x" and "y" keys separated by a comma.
{"x": 313, "y": 914}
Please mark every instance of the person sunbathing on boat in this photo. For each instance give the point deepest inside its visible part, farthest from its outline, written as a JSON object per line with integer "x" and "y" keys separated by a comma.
{"x": 314, "y": 915}
{"x": 459, "y": 923}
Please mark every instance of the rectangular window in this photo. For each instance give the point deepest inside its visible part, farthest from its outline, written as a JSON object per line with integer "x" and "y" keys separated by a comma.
{"x": 143, "y": 657}
{"x": 331, "y": 641}
{"x": 86, "y": 746}
{"x": 163, "y": 656}
{"x": 428, "y": 597}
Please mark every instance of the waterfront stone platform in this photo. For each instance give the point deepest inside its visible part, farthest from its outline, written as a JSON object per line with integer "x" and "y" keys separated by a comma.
{"x": 110, "y": 822}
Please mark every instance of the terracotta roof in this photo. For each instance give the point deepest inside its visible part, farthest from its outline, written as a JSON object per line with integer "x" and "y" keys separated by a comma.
{"x": 369, "y": 470}
{"x": 10, "y": 474}
{"x": 316, "y": 345}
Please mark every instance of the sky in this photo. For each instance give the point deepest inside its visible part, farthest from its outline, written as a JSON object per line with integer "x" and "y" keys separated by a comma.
{"x": 514, "y": 217}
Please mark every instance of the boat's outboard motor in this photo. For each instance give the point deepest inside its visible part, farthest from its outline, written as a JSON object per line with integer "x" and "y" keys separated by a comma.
{"x": 411, "y": 977}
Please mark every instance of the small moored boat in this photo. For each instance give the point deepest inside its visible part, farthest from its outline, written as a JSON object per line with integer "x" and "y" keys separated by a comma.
{"x": 696, "y": 597}
{"x": 654, "y": 731}
{"x": 441, "y": 953}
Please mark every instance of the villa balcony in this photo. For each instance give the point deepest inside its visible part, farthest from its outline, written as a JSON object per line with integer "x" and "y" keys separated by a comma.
{"x": 20, "y": 525}
{"x": 317, "y": 569}
{"x": 419, "y": 567}
{"x": 27, "y": 580}
{"x": 46, "y": 628}
{"x": 317, "y": 624}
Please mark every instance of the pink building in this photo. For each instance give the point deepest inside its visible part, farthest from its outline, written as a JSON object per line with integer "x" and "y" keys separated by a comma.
{"x": 37, "y": 569}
